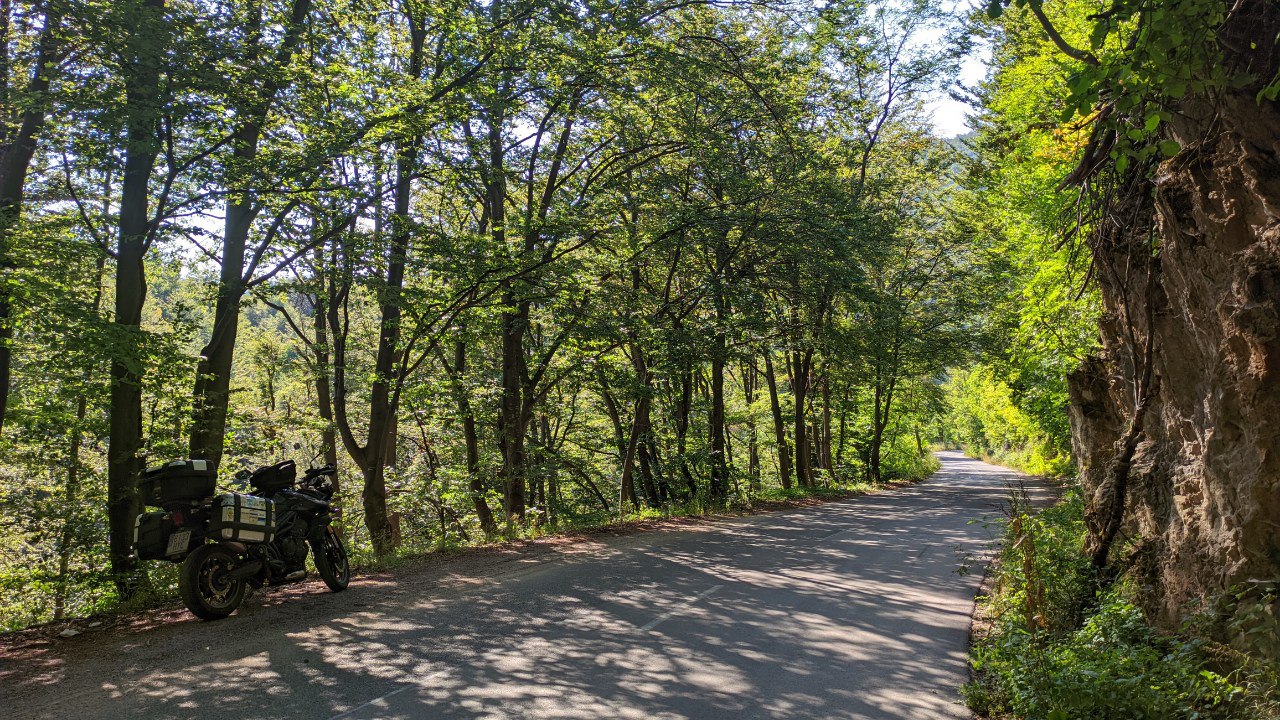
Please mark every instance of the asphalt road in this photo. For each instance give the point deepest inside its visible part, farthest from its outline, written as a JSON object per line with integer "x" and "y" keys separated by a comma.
{"x": 856, "y": 609}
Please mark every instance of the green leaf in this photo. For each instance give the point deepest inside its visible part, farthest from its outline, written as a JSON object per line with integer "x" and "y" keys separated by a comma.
{"x": 1153, "y": 122}
{"x": 1099, "y": 34}
{"x": 1169, "y": 148}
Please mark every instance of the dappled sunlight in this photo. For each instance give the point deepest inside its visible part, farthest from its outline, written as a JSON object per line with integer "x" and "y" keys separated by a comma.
{"x": 250, "y": 677}
{"x": 852, "y": 609}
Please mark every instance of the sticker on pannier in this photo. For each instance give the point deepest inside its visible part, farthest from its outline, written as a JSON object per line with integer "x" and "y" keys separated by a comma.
{"x": 243, "y": 518}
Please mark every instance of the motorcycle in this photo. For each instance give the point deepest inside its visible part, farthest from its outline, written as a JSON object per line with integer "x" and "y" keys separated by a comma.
{"x": 232, "y": 541}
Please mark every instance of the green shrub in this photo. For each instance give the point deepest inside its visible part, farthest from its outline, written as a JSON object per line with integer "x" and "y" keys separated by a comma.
{"x": 1113, "y": 668}
{"x": 1046, "y": 657}
{"x": 909, "y": 465}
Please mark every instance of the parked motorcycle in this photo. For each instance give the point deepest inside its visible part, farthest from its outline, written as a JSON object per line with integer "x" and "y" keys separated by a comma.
{"x": 231, "y": 541}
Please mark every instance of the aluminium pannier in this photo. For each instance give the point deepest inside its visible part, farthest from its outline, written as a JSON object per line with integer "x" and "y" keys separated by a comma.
{"x": 180, "y": 482}
{"x": 242, "y": 518}
{"x": 156, "y": 538}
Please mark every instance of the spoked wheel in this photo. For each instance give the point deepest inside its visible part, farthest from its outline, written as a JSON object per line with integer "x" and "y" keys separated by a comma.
{"x": 331, "y": 560}
{"x": 203, "y": 583}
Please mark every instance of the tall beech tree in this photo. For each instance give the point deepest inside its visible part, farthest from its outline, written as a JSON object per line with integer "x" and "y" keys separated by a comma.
{"x": 25, "y": 86}
{"x": 145, "y": 52}
{"x": 267, "y": 71}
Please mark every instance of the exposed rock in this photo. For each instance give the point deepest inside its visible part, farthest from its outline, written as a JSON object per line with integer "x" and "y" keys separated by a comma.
{"x": 1204, "y": 488}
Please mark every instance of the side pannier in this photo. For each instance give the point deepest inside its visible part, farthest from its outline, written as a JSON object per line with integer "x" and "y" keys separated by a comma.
{"x": 156, "y": 538}
{"x": 243, "y": 518}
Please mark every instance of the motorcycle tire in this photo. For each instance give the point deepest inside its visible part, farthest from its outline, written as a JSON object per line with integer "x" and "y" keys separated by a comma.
{"x": 203, "y": 584}
{"x": 331, "y": 560}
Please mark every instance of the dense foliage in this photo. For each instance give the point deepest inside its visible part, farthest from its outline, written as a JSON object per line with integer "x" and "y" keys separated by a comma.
{"x": 1046, "y": 655}
{"x": 511, "y": 265}
{"x": 1072, "y": 128}
{"x": 1012, "y": 406}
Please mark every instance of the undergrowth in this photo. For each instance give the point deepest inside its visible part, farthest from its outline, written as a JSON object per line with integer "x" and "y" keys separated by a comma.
{"x": 1054, "y": 652}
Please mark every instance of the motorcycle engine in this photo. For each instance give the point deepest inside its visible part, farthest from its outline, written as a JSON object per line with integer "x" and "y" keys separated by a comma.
{"x": 293, "y": 545}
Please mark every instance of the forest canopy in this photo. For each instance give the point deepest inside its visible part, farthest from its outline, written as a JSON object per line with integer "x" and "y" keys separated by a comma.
{"x": 510, "y": 265}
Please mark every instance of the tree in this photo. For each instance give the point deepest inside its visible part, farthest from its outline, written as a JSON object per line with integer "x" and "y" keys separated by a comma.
{"x": 24, "y": 102}
{"x": 145, "y": 49}
{"x": 267, "y": 72}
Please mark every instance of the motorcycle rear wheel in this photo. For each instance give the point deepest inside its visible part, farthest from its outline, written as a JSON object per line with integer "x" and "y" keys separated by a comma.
{"x": 204, "y": 586}
{"x": 331, "y": 560}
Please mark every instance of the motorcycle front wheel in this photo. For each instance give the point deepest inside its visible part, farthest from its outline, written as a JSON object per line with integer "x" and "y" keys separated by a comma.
{"x": 204, "y": 586}
{"x": 331, "y": 560}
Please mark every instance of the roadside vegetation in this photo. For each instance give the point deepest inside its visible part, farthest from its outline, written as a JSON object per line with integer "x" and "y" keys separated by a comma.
{"x": 1066, "y": 632}
{"x": 518, "y": 267}
{"x": 162, "y": 584}
{"x": 1049, "y": 647}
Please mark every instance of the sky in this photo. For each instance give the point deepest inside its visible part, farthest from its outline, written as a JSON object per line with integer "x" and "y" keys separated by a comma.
{"x": 949, "y": 116}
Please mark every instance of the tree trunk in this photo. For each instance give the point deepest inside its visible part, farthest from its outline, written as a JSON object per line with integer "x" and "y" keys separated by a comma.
{"x": 799, "y": 362}
{"x": 779, "y": 427}
{"x": 213, "y": 372}
{"x": 323, "y": 372}
{"x": 382, "y": 406}
{"x": 750, "y": 382}
{"x": 640, "y": 427}
{"x": 457, "y": 374}
{"x": 879, "y": 421}
{"x": 841, "y": 436}
{"x": 147, "y": 45}
{"x": 70, "y": 497}
{"x": 718, "y": 489}
{"x": 655, "y": 459}
{"x": 683, "y": 409}
{"x": 511, "y": 425}
{"x": 825, "y": 430}
{"x": 514, "y": 323}
{"x": 615, "y": 416}
{"x": 16, "y": 151}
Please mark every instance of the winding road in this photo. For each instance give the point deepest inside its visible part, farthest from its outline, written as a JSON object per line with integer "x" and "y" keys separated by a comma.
{"x": 857, "y": 609}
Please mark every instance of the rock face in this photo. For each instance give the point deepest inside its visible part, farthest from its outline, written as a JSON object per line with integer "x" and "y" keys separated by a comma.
{"x": 1203, "y": 498}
